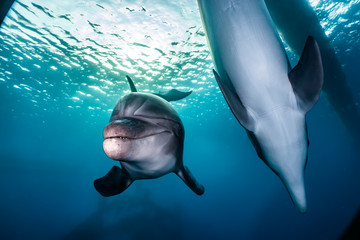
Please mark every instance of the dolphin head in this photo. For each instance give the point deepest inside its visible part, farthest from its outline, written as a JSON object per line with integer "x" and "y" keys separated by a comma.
{"x": 127, "y": 138}
{"x": 147, "y": 136}
{"x": 142, "y": 127}
{"x": 281, "y": 141}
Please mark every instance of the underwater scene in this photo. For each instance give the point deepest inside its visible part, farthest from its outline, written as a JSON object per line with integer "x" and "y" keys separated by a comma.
{"x": 63, "y": 68}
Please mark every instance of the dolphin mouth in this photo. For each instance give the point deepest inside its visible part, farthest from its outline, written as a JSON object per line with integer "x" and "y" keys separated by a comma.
{"x": 127, "y": 129}
{"x": 125, "y": 138}
{"x": 119, "y": 137}
{"x": 121, "y": 134}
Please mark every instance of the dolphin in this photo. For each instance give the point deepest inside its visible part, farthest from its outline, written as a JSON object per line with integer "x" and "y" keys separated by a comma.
{"x": 268, "y": 98}
{"x": 146, "y": 135}
{"x": 295, "y": 20}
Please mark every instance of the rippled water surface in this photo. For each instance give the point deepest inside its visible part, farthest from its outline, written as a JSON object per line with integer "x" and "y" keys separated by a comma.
{"x": 82, "y": 51}
{"x": 62, "y": 69}
{"x": 78, "y": 52}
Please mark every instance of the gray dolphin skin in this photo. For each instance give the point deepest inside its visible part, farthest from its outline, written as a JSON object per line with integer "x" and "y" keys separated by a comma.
{"x": 268, "y": 98}
{"x": 295, "y": 20}
{"x": 146, "y": 135}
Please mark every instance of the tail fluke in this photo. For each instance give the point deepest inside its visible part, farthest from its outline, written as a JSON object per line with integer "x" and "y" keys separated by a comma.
{"x": 173, "y": 95}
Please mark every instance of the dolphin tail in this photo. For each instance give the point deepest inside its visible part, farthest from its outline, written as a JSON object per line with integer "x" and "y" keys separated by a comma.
{"x": 131, "y": 83}
{"x": 294, "y": 183}
{"x": 113, "y": 183}
{"x": 185, "y": 174}
{"x": 173, "y": 95}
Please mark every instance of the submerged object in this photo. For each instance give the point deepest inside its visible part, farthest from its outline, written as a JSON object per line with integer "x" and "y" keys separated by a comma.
{"x": 296, "y": 20}
{"x": 253, "y": 74}
{"x": 146, "y": 135}
{"x": 5, "y": 5}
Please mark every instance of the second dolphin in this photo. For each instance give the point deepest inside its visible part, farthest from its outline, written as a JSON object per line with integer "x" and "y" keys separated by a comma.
{"x": 268, "y": 98}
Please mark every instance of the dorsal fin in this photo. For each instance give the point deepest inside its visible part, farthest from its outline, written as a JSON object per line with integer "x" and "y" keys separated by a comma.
{"x": 131, "y": 83}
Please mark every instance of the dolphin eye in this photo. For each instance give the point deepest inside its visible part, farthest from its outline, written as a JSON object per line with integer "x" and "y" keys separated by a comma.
{"x": 308, "y": 142}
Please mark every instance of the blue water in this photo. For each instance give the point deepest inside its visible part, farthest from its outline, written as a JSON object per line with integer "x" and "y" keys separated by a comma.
{"x": 62, "y": 69}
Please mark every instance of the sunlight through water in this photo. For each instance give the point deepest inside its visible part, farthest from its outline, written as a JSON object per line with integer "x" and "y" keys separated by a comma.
{"x": 77, "y": 53}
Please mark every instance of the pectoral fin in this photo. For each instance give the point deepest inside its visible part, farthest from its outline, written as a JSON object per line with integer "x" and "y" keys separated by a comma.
{"x": 113, "y": 183}
{"x": 235, "y": 104}
{"x": 307, "y": 76}
{"x": 185, "y": 174}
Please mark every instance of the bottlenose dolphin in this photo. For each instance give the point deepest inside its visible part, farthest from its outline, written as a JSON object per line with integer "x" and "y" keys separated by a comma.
{"x": 268, "y": 99}
{"x": 146, "y": 135}
{"x": 296, "y": 20}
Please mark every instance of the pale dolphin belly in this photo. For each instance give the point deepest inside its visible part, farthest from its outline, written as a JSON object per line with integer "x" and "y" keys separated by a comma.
{"x": 296, "y": 20}
{"x": 268, "y": 99}
{"x": 245, "y": 47}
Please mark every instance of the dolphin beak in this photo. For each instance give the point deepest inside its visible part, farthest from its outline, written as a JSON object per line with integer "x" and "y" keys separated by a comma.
{"x": 294, "y": 184}
{"x": 120, "y": 134}
{"x": 130, "y": 128}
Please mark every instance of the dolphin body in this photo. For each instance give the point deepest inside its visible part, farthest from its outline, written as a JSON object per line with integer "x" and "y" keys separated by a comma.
{"x": 146, "y": 135}
{"x": 296, "y": 20}
{"x": 268, "y": 99}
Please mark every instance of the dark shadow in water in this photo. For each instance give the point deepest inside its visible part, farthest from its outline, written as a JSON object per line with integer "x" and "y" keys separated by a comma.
{"x": 130, "y": 217}
{"x": 4, "y": 8}
{"x": 353, "y": 230}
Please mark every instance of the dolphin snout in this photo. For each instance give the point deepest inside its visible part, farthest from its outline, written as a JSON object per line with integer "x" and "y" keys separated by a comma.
{"x": 132, "y": 128}
{"x": 121, "y": 134}
{"x": 118, "y": 135}
{"x": 125, "y": 128}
